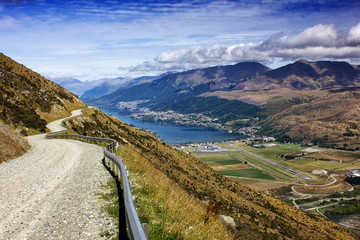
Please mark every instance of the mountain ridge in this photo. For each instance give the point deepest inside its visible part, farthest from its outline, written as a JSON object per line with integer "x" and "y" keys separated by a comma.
{"x": 306, "y": 83}
{"x": 176, "y": 86}
{"x": 301, "y": 75}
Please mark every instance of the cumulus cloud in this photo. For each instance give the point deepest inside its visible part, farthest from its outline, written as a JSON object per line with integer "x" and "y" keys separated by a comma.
{"x": 319, "y": 35}
{"x": 354, "y": 36}
{"x": 314, "y": 43}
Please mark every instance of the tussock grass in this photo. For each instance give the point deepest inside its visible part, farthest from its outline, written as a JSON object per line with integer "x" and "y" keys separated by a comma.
{"x": 170, "y": 211}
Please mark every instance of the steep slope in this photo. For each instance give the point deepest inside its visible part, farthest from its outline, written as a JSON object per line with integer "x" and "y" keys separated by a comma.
{"x": 177, "y": 86}
{"x": 27, "y": 102}
{"x": 12, "y": 144}
{"x": 257, "y": 215}
{"x": 331, "y": 119}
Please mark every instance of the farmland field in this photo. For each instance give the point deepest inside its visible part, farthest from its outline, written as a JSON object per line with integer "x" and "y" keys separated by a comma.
{"x": 229, "y": 164}
{"x": 249, "y": 173}
{"x": 252, "y": 171}
{"x": 218, "y": 159}
{"x": 248, "y": 165}
{"x": 308, "y": 159}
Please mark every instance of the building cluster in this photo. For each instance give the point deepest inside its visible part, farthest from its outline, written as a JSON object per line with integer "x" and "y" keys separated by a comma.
{"x": 201, "y": 147}
{"x": 353, "y": 173}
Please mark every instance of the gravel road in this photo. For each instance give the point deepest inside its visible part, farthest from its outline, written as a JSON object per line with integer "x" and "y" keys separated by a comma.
{"x": 50, "y": 192}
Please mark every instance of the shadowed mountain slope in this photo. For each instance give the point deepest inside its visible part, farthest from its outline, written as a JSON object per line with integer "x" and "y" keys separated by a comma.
{"x": 177, "y": 86}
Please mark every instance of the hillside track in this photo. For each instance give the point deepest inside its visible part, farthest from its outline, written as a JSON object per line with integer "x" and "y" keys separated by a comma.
{"x": 50, "y": 192}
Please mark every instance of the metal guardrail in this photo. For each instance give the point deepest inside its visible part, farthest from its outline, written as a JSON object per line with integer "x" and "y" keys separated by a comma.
{"x": 135, "y": 229}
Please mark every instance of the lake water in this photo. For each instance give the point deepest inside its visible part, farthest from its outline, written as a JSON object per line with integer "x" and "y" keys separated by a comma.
{"x": 177, "y": 133}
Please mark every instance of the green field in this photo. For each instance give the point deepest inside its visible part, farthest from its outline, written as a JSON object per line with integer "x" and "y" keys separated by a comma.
{"x": 260, "y": 174}
{"x": 280, "y": 173}
{"x": 249, "y": 173}
{"x": 217, "y": 159}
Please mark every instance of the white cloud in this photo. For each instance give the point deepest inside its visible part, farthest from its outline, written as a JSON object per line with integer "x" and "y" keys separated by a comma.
{"x": 354, "y": 35}
{"x": 314, "y": 43}
{"x": 319, "y": 35}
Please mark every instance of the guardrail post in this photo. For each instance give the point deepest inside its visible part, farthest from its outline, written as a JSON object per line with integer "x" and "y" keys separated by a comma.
{"x": 134, "y": 200}
{"x": 145, "y": 226}
{"x": 119, "y": 174}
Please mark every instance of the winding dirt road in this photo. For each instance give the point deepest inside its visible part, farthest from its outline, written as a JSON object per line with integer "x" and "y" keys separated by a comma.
{"x": 50, "y": 192}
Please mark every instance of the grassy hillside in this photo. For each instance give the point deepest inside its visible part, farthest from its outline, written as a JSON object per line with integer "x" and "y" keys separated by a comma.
{"x": 28, "y": 102}
{"x": 257, "y": 215}
{"x": 329, "y": 117}
{"x": 331, "y": 120}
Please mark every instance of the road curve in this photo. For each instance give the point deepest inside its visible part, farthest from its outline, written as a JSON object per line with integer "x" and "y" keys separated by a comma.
{"x": 50, "y": 192}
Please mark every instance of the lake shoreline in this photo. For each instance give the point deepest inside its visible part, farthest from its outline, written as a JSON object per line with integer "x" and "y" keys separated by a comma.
{"x": 174, "y": 134}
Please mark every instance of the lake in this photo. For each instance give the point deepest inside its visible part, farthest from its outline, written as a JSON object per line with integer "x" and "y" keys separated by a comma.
{"x": 173, "y": 134}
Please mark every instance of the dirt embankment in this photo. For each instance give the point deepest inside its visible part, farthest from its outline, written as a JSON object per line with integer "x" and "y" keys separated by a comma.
{"x": 11, "y": 143}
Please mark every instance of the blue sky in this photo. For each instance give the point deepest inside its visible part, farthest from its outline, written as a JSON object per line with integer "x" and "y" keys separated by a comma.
{"x": 92, "y": 39}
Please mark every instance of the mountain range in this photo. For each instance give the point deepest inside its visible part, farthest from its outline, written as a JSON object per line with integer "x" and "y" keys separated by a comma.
{"x": 289, "y": 96}
{"x": 100, "y": 87}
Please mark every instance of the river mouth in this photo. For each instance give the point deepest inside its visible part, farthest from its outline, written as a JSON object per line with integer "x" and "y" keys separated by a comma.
{"x": 175, "y": 134}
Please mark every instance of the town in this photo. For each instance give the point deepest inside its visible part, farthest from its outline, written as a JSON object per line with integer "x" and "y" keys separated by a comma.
{"x": 136, "y": 111}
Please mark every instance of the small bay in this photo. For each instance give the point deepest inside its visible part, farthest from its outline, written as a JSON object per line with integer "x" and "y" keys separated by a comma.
{"x": 173, "y": 134}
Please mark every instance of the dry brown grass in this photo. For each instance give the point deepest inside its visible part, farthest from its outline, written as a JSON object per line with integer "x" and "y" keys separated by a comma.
{"x": 169, "y": 210}
{"x": 28, "y": 100}
{"x": 331, "y": 117}
{"x": 262, "y": 97}
{"x": 11, "y": 143}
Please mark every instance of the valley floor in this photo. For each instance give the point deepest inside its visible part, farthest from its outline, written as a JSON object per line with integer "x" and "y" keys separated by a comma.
{"x": 51, "y": 191}
{"x": 326, "y": 195}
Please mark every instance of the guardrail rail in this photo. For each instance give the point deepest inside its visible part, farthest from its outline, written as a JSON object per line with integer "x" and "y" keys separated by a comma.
{"x": 136, "y": 230}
